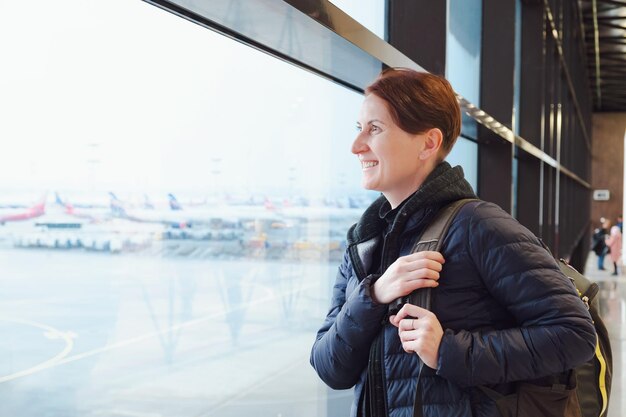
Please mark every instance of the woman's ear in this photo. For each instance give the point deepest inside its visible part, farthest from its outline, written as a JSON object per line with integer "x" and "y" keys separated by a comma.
{"x": 432, "y": 143}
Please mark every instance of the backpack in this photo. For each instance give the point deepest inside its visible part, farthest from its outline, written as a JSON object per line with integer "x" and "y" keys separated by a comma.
{"x": 593, "y": 377}
{"x": 584, "y": 391}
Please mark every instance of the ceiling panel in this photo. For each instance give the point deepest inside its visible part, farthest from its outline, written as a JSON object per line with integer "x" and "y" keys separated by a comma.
{"x": 604, "y": 23}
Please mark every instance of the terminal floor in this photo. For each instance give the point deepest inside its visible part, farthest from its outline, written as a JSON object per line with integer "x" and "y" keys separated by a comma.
{"x": 613, "y": 309}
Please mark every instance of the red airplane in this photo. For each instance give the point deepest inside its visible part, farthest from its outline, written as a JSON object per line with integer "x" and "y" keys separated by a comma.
{"x": 16, "y": 215}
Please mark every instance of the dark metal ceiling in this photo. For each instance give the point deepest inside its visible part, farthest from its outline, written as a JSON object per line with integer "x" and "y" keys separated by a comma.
{"x": 604, "y": 24}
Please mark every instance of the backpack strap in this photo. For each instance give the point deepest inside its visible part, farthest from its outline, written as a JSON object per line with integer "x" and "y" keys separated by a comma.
{"x": 431, "y": 239}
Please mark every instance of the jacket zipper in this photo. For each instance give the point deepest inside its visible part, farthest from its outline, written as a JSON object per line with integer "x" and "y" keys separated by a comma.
{"x": 379, "y": 396}
{"x": 376, "y": 401}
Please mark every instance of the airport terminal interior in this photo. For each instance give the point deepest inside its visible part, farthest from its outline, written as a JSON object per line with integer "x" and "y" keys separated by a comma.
{"x": 176, "y": 182}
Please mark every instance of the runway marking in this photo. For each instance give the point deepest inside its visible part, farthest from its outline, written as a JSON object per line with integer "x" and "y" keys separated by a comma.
{"x": 51, "y": 333}
{"x": 61, "y": 359}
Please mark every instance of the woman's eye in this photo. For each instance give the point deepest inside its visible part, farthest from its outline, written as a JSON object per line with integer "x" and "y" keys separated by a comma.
{"x": 358, "y": 128}
{"x": 375, "y": 129}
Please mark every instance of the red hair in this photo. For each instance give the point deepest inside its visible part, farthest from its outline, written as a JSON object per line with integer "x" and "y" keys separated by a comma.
{"x": 419, "y": 101}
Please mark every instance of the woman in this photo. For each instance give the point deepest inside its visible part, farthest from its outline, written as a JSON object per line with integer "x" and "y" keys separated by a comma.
{"x": 501, "y": 309}
{"x": 599, "y": 242}
{"x": 614, "y": 244}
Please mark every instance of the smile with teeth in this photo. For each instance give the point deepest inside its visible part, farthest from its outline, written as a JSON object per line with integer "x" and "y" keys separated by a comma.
{"x": 368, "y": 164}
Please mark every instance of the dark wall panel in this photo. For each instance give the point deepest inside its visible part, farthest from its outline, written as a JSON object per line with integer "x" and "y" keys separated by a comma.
{"x": 528, "y": 190}
{"x": 495, "y": 165}
{"x": 498, "y": 59}
{"x": 417, "y": 28}
{"x": 496, "y": 98}
{"x": 532, "y": 83}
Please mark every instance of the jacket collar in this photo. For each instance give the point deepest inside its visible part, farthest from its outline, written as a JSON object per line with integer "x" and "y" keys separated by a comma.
{"x": 442, "y": 186}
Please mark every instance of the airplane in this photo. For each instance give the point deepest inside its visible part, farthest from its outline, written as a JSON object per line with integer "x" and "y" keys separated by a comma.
{"x": 326, "y": 212}
{"x": 93, "y": 213}
{"x": 319, "y": 213}
{"x": 20, "y": 214}
{"x": 90, "y": 225}
{"x": 177, "y": 216}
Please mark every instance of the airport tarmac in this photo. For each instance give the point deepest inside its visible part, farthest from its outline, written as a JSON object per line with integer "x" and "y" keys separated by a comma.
{"x": 91, "y": 334}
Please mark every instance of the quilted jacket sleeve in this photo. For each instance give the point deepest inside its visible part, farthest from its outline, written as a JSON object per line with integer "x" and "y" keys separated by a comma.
{"x": 341, "y": 349}
{"x": 555, "y": 331}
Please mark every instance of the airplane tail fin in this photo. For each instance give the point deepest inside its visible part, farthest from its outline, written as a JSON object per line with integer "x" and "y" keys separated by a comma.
{"x": 269, "y": 205}
{"x": 40, "y": 207}
{"x": 174, "y": 204}
{"x": 58, "y": 200}
{"x": 66, "y": 205}
{"x": 116, "y": 206}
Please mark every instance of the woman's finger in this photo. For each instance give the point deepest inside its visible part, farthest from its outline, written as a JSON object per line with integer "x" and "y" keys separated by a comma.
{"x": 424, "y": 264}
{"x": 406, "y": 324}
{"x": 423, "y": 274}
{"x": 427, "y": 254}
{"x": 411, "y": 311}
{"x": 416, "y": 284}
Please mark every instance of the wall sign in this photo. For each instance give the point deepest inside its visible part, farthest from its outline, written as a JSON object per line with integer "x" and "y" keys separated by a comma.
{"x": 601, "y": 195}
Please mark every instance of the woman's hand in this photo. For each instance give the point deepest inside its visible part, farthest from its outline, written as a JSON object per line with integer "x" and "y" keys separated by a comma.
{"x": 420, "y": 332}
{"x": 406, "y": 274}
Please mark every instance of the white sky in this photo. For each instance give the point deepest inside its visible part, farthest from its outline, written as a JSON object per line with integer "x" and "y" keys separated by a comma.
{"x": 119, "y": 95}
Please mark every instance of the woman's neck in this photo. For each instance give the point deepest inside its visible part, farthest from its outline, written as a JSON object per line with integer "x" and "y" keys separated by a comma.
{"x": 396, "y": 197}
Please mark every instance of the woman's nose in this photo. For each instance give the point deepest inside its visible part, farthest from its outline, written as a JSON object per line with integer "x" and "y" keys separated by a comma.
{"x": 359, "y": 145}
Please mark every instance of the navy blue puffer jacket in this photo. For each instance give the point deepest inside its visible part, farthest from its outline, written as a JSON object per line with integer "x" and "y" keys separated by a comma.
{"x": 507, "y": 311}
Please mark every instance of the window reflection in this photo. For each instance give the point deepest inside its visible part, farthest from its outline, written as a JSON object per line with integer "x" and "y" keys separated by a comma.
{"x": 465, "y": 153}
{"x": 463, "y": 71}
{"x": 173, "y": 211}
{"x": 298, "y": 29}
{"x": 463, "y": 48}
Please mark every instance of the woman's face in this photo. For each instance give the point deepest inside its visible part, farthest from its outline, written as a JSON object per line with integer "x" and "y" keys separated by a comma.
{"x": 389, "y": 156}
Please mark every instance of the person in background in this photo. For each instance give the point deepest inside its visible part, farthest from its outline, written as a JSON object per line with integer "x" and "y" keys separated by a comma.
{"x": 502, "y": 311}
{"x": 598, "y": 243}
{"x": 619, "y": 223}
{"x": 614, "y": 244}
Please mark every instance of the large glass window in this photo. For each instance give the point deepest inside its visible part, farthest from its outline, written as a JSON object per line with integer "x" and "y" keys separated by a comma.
{"x": 465, "y": 153}
{"x": 463, "y": 48}
{"x": 464, "y": 19}
{"x": 174, "y": 206}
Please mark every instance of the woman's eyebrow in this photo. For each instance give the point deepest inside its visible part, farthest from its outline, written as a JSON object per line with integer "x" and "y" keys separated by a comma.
{"x": 375, "y": 120}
